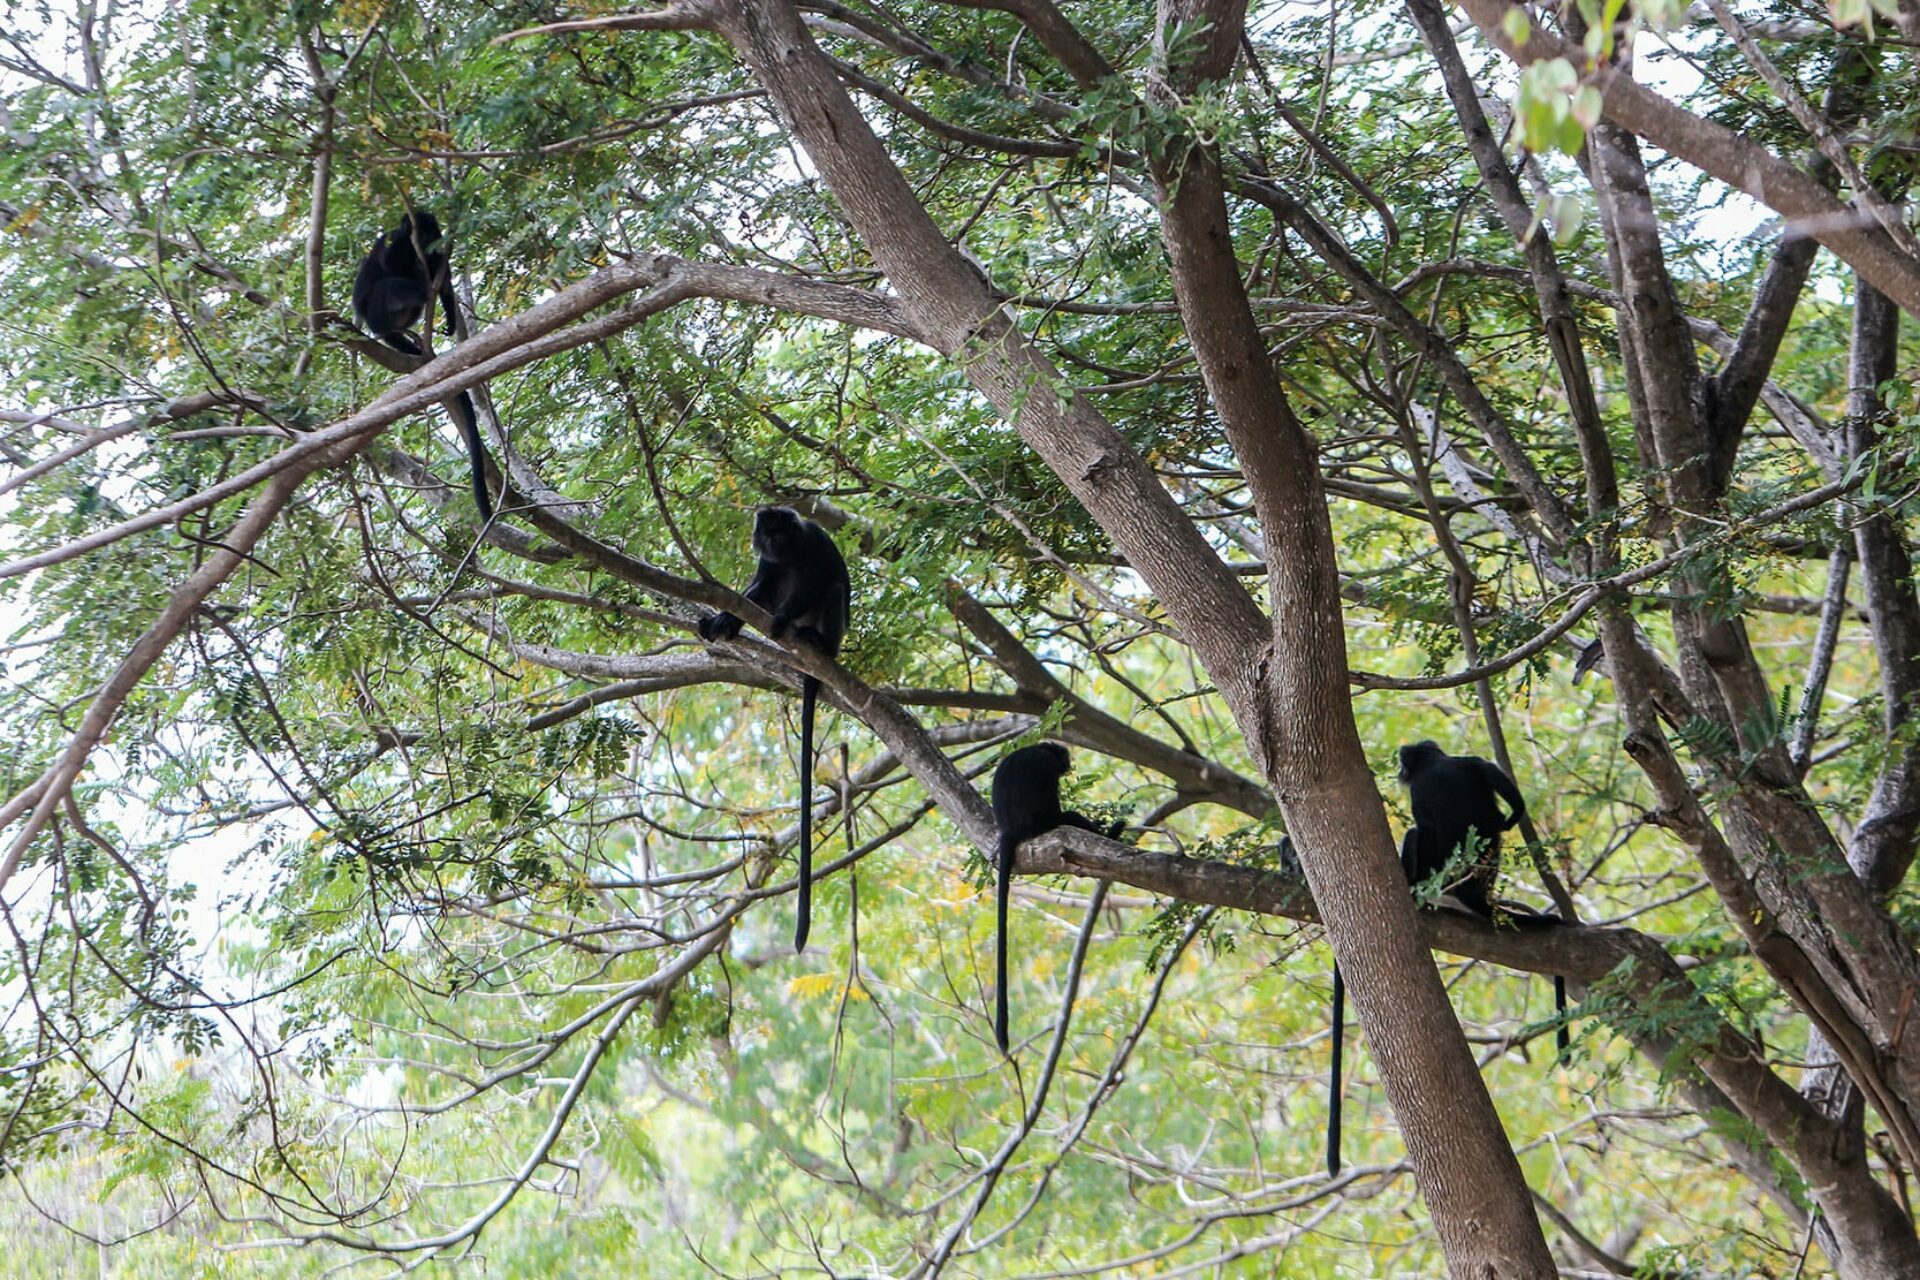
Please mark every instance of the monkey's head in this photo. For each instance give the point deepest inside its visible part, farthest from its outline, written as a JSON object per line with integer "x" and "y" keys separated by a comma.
{"x": 419, "y": 226}
{"x": 1053, "y": 755}
{"x": 777, "y": 533}
{"x": 1418, "y": 756}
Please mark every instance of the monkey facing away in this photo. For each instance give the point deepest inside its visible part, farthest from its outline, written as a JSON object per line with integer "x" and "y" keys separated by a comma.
{"x": 1455, "y": 800}
{"x": 1453, "y": 797}
{"x": 1026, "y": 803}
{"x": 390, "y": 292}
{"x": 802, "y": 581}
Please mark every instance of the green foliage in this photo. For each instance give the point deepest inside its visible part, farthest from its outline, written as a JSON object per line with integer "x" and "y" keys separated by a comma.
{"x": 393, "y": 828}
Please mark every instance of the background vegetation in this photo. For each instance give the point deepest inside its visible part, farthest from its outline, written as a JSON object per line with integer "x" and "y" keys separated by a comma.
{"x": 427, "y": 899}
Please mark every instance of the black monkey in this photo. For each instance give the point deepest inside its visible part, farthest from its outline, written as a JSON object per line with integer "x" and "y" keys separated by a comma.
{"x": 1026, "y": 803}
{"x": 802, "y": 581}
{"x": 390, "y": 294}
{"x": 1450, "y": 797}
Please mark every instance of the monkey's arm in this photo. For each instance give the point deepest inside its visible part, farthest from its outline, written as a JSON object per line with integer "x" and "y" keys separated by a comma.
{"x": 722, "y": 625}
{"x": 764, "y": 589}
{"x": 1497, "y": 778}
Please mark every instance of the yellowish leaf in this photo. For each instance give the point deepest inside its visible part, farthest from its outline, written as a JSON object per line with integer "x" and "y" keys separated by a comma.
{"x": 809, "y": 985}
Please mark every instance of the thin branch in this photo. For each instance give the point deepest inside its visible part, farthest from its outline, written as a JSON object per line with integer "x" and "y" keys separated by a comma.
{"x": 682, "y": 15}
{"x": 1820, "y": 662}
{"x": 990, "y": 1175}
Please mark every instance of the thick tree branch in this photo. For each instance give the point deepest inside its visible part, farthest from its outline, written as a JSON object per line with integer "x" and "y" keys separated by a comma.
{"x": 1071, "y": 49}
{"x": 1716, "y": 150}
{"x": 1737, "y": 387}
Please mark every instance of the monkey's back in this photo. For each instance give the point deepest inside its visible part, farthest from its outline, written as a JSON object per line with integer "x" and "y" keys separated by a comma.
{"x": 390, "y": 289}
{"x": 1026, "y": 791}
{"x": 822, "y": 575}
{"x": 1450, "y": 797}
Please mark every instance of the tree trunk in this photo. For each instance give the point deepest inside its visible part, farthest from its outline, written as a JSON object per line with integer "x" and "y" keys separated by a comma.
{"x": 1288, "y": 695}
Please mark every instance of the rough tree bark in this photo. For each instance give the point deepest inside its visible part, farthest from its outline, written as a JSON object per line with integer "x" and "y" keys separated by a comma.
{"x": 1285, "y": 681}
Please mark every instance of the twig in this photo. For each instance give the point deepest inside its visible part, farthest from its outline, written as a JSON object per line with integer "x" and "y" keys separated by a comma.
{"x": 990, "y": 1176}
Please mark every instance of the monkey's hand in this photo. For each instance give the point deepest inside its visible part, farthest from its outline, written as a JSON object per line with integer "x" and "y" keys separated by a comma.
{"x": 719, "y": 626}
{"x": 781, "y": 624}
{"x": 1114, "y": 828}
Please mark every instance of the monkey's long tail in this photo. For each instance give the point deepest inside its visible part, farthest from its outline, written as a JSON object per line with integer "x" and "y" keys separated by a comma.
{"x": 803, "y": 921}
{"x": 476, "y": 456}
{"x": 1333, "y": 1075}
{"x": 1562, "y": 1045}
{"x": 467, "y": 420}
{"x": 1003, "y": 889}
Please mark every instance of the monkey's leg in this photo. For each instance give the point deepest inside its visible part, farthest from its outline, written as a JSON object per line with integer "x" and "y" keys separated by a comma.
{"x": 390, "y": 306}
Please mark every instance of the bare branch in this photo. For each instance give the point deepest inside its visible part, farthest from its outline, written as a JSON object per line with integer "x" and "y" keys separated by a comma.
{"x": 682, "y": 15}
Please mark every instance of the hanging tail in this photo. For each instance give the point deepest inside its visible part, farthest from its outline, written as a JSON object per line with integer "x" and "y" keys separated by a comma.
{"x": 1530, "y": 916}
{"x": 1003, "y": 889}
{"x": 469, "y": 424}
{"x": 464, "y": 418}
{"x": 1562, "y": 1048}
{"x": 1333, "y": 1075}
{"x": 809, "y": 694}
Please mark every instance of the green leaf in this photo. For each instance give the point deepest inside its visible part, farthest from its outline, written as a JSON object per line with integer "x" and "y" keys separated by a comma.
{"x": 1556, "y": 73}
{"x": 1565, "y": 214}
{"x": 1848, "y": 13}
{"x": 1568, "y": 136}
{"x": 1586, "y": 106}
